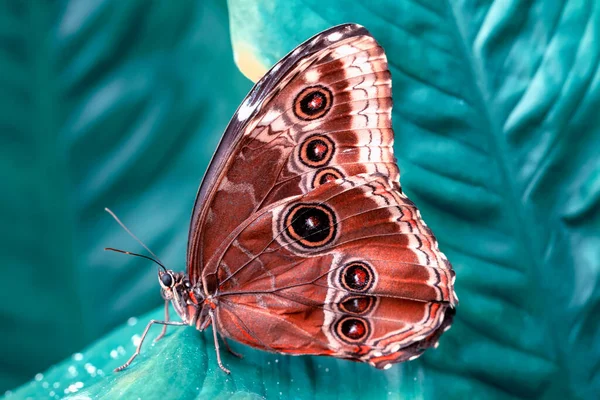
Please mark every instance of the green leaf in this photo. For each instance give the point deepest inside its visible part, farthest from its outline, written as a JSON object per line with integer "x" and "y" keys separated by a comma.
{"x": 114, "y": 104}
{"x": 183, "y": 365}
{"x": 498, "y": 138}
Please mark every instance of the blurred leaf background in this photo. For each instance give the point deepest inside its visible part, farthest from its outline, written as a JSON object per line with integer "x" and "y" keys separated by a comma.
{"x": 121, "y": 104}
{"x": 115, "y": 104}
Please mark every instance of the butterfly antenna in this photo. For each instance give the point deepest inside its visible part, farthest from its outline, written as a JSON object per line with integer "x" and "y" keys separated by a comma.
{"x": 155, "y": 259}
{"x": 136, "y": 255}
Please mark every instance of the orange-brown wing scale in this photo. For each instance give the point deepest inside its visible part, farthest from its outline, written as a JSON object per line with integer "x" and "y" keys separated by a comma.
{"x": 281, "y": 151}
{"x": 348, "y": 269}
{"x": 301, "y": 233}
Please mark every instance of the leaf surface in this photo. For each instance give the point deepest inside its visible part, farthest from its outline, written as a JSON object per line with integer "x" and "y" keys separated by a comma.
{"x": 114, "y": 104}
{"x": 495, "y": 112}
{"x": 497, "y": 138}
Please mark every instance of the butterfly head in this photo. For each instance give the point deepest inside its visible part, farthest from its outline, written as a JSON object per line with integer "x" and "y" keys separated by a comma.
{"x": 171, "y": 283}
{"x": 176, "y": 288}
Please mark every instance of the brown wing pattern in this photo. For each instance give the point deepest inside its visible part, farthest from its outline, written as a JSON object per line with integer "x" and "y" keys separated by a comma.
{"x": 348, "y": 269}
{"x": 301, "y": 233}
{"x": 380, "y": 331}
{"x": 326, "y": 117}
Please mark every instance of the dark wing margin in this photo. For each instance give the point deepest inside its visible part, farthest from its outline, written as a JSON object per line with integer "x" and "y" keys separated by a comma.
{"x": 262, "y": 91}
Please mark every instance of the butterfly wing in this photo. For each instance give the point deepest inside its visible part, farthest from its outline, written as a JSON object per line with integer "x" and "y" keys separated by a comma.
{"x": 301, "y": 232}
{"x": 348, "y": 269}
{"x": 321, "y": 113}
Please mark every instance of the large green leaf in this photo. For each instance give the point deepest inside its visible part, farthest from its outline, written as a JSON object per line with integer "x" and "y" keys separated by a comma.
{"x": 183, "y": 365}
{"x": 103, "y": 103}
{"x": 497, "y": 140}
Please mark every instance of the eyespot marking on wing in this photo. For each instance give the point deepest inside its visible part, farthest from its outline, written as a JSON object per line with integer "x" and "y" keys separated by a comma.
{"x": 326, "y": 175}
{"x": 357, "y": 276}
{"x": 357, "y": 304}
{"x": 311, "y": 225}
{"x": 352, "y": 329}
{"x": 316, "y": 151}
{"x": 313, "y": 102}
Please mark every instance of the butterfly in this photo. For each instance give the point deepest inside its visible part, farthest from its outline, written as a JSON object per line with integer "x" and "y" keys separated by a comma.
{"x": 301, "y": 240}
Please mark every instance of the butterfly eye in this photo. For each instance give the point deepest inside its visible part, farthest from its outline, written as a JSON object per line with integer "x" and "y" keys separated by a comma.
{"x": 166, "y": 280}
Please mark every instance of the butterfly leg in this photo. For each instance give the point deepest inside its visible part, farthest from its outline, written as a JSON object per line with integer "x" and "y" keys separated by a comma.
{"x": 164, "y": 329}
{"x": 137, "y": 350}
{"x": 216, "y": 338}
{"x": 229, "y": 349}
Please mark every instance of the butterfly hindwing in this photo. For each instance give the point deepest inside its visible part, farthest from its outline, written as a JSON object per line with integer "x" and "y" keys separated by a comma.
{"x": 380, "y": 331}
{"x": 350, "y": 266}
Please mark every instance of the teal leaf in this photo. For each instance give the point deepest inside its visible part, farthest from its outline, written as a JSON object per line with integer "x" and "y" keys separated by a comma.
{"x": 495, "y": 112}
{"x": 497, "y": 137}
{"x": 114, "y": 104}
{"x": 183, "y": 365}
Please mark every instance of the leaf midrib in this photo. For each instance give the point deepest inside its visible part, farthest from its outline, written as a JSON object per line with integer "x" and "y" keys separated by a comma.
{"x": 531, "y": 247}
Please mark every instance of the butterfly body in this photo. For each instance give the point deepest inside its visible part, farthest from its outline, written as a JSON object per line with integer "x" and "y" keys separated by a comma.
{"x": 301, "y": 239}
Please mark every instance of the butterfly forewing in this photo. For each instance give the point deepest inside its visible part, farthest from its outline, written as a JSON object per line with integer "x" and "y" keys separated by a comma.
{"x": 301, "y": 232}
{"x": 280, "y": 150}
